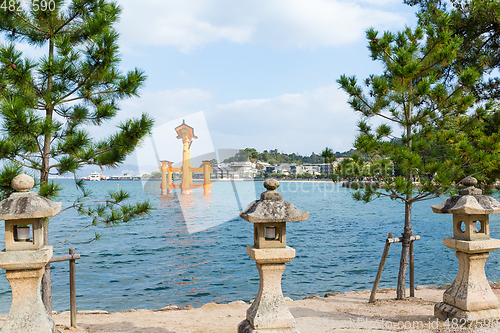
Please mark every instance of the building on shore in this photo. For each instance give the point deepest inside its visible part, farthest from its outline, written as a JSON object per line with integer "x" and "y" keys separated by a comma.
{"x": 222, "y": 172}
{"x": 310, "y": 168}
{"x": 250, "y": 170}
{"x": 326, "y": 168}
{"x": 244, "y": 169}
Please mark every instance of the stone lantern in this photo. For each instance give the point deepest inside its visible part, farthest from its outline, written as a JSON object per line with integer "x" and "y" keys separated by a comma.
{"x": 470, "y": 295}
{"x": 269, "y": 214}
{"x": 25, "y": 256}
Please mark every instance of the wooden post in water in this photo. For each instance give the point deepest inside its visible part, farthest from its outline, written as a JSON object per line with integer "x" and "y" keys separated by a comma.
{"x": 206, "y": 177}
{"x": 412, "y": 269}
{"x": 380, "y": 268}
{"x": 72, "y": 288}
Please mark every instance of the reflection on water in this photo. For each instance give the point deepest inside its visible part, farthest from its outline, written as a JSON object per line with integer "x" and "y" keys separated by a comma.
{"x": 192, "y": 249}
{"x": 199, "y": 211}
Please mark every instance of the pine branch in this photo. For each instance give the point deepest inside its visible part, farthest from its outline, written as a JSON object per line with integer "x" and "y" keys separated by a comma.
{"x": 360, "y": 98}
{"x": 388, "y": 118}
{"x": 20, "y": 163}
{"x": 28, "y": 23}
{"x": 90, "y": 95}
{"x": 81, "y": 76}
{"x": 384, "y": 178}
{"x": 393, "y": 196}
{"x": 97, "y": 219}
{"x": 383, "y": 50}
{"x": 76, "y": 205}
{"x": 451, "y": 187}
{"x": 73, "y": 234}
{"x": 66, "y": 23}
{"x": 26, "y": 158}
{"x": 80, "y": 84}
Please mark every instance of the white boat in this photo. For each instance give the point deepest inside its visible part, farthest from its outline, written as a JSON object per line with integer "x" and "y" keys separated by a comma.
{"x": 95, "y": 176}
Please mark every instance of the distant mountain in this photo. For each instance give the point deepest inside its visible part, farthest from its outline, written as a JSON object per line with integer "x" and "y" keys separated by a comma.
{"x": 273, "y": 156}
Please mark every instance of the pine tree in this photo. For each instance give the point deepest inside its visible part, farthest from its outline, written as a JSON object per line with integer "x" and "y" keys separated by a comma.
{"x": 478, "y": 23}
{"x": 427, "y": 133}
{"x": 46, "y": 103}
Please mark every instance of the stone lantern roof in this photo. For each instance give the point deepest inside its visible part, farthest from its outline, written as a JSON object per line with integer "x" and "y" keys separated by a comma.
{"x": 272, "y": 208}
{"x": 470, "y": 201}
{"x": 24, "y": 204}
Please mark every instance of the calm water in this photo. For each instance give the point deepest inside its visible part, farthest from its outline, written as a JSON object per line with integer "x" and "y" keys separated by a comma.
{"x": 191, "y": 250}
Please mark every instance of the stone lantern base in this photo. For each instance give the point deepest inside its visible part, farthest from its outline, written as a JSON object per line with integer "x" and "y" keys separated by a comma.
{"x": 24, "y": 270}
{"x": 470, "y": 296}
{"x": 269, "y": 313}
{"x": 245, "y": 327}
{"x": 445, "y": 311}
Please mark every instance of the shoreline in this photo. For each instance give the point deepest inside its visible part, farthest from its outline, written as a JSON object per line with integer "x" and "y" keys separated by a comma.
{"x": 348, "y": 311}
{"x": 254, "y": 180}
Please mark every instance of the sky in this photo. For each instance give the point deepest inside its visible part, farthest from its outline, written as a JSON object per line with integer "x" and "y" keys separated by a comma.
{"x": 261, "y": 73}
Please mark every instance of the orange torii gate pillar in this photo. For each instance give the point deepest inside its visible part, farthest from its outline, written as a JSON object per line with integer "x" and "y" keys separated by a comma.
{"x": 207, "y": 169}
{"x": 186, "y": 133}
{"x": 166, "y": 180}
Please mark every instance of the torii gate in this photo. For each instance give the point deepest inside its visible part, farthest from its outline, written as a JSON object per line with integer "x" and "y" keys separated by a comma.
{"x": 186, "y": 133}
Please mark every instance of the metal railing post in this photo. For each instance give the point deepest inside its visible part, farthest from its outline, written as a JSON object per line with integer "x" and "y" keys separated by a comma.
{"x": 72, "y": 288}
{"x": 412, "y": 270}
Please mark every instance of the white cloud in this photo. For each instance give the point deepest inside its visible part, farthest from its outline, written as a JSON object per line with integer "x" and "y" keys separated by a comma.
{"x": 377, "y": 2}
{"x": 187, "y": 25}
{"x": 163, "y": 106}
{"x": 315, "y": 23}
{"x": 167, "y": 105}
{"x": 291, "y": 123}
{"x": 300, "y": 123}
{"x": 182, "y": 24}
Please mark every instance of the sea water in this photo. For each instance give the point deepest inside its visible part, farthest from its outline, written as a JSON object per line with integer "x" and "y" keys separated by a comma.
{"x": 192, "y": 248}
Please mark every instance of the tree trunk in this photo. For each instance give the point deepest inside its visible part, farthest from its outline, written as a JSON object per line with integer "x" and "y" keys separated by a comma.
{"x": 44, "y": 178}
{"x": 405, "y": 250}
{"x": 46, "y": 279}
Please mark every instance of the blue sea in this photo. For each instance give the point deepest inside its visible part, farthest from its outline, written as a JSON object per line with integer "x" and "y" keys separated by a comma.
{"x": 192, "y": 248}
